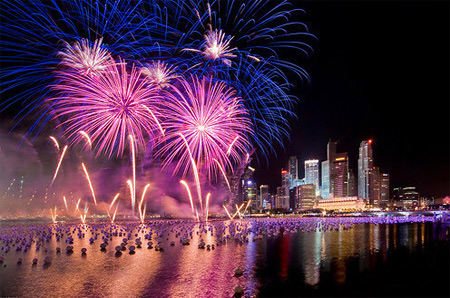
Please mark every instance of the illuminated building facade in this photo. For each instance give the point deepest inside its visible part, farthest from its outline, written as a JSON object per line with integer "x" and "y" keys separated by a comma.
{"x": 306, "y": 195}
{"x": 312, "y": 172}
{"x": 339, "y": 175}
{"x": 365, "y": 164}
{"x": 341, "y": 204}
{"x": 385, "y": 197}
{"x": 293, "y": 167}
{"x": 406, "y": 197}
{"x": 325, "y": 191}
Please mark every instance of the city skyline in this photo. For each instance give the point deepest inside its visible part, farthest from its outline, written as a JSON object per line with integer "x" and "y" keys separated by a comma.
{"x": 388, "y": 83}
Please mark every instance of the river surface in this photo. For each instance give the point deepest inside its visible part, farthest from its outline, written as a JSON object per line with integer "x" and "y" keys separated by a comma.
{"x": 365, "y": 259}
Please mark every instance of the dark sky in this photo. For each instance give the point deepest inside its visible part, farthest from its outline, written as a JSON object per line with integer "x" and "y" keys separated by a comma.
{"x": 380, "y": 71}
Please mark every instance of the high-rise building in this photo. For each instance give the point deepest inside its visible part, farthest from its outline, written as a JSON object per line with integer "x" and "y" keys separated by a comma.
{"x": 263, "y": 196}
{"x": 325, "y": 179}
{"x": 406, "y": 197}
{"x": 293, "y": 167}
{"x": 306, "y": 195}
{"x": 280, "y": 197}
{"x": 327, "y": 169}
{"x": 365, "y": 164}
{"x": 339, "y": 175}
{"x": 374, "y": 187}
{"x": 385, "y": 198}
{"x": 351, "y": 186}
{"x": 312, "y": 172}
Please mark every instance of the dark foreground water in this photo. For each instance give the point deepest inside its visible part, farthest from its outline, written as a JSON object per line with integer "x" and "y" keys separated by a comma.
{"x": 303, "y": 259}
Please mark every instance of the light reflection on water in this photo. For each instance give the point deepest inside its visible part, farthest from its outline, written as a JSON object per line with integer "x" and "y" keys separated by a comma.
{"x": 298, "y": 261}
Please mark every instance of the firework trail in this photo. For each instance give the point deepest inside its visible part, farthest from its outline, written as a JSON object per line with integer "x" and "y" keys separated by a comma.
{"x": 207, "y": 205}
{"x": 228, "y": 213}
{"x": 223, "y": 173}
{"x": 65, "y": 204}
{"x": 142, "y": 211}
{"x": 53, "y": 215}
{"x": 59, "y": 164}
{"x": 132, "y": 198}
{"x": 189, "y": 194}
{"x": 108, "y": 107}
{"x": 133, "y": 160}
{"x": 90, "y": 183}
{"x": 115, "y": 212}
{"x": 55, "y": 142}
{"x": 86, "y": 136}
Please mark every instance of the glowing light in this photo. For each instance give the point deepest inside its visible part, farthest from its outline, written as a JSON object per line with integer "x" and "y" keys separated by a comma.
{"x": 65, "y": 203}
{"x": 59, "y": 164}
{"x": 133, "y": 160}
{"x": 55, "y": 142}
{"x": 189, "y": 194}
{"x": 210, "y": 119}
{"x": 108, "y": 107}
{"x": 84, "y": 58}
{"x": 159, "y": 73}
{"x": 86, "y": 136}
{"x": 207, "y": 205}
{"x": 142, "y": 211}
{"x": 89, "y": 182}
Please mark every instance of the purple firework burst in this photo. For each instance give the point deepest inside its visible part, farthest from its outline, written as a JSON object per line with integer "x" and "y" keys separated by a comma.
{"x": 108, "y": 105}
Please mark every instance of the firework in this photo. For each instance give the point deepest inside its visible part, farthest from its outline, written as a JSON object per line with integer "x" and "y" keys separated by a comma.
{"x": 202, "y": 119}
{"x": 189, "y": 194}
{"x": 132, "y": 197}
{"x": 108, "y": 107}
{"x": 55, "y": 142}
{"x": 228, "y": 213}
{"x": 142, "y": 211}
{"x": 207, "y": 205}
{"x": 65, "y": 203}
{"x": 159, "y": 73}
{"x": 216, "y": 47}
{"x": 59, "y": 164}
{"x": 89, "y": 182}
{"x": 133, "y": 161}
{"x": 53, "y": 214}
{"x": 85, "y": 58}
{"x": 39, "y": 36}
{"x": 86, "y": 136}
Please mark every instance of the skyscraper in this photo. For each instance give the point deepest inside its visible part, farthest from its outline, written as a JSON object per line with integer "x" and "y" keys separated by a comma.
{"x": 326, "y": 169}
{"x": 374, "y": 187}
{"x": 263, "y": 196}
{"x": 293, "y": 167}
{"x": 384, "y": 190}
{"x": 339, "y": 175}
{"x": 365, "y": 164}
{"x": 312, "y": 172}
{"x": 351, "y": 186}
{"x": 325, "y": 179}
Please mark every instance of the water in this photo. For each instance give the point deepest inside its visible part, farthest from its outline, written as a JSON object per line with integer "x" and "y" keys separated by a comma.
{"x": 375, "y": 260}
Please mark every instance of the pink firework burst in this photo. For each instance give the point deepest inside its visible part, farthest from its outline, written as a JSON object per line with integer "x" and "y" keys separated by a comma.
{"x": 207, "y": 120}
{"x": 108, "y": 106}
{"x": 83, "y": 57}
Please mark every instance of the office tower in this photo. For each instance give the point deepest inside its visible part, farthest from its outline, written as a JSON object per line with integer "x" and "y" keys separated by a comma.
{"x": 406, "y": 197}
{"x": 365, "y": 163}
{"x": 351, "y": 186}
{"x": 384, "y": 190}
{"x": 244, "y": 191}
{"x": 327, "y": 170}
{"x": 374, "y": 187}
{"x": 263, "y": 196}
{"x": 312, "y": 172}
{"x": 293, "y": 167}
{"x": 279, "y": 199}
{"x": 325, "y": 179}
{"x": 251, "y": 196}
{"x": 339, "y": 176}
{"x": 306, "y": 195}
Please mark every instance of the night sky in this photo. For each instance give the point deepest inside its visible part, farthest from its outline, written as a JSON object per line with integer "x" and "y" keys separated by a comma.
{"x": 380, "y": 70}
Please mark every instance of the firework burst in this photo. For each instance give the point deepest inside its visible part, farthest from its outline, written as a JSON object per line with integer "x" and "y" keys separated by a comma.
{"x": 85, "y": 58}
{"x": 159, "y": 73}
{"x": 109, "y": 106}
{"x": 204, "y": 118}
